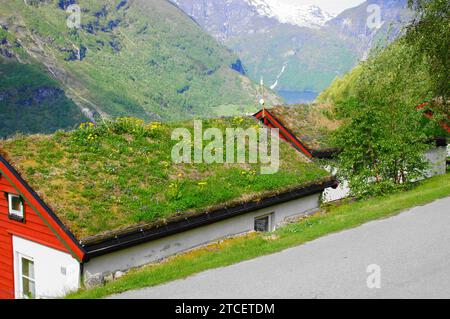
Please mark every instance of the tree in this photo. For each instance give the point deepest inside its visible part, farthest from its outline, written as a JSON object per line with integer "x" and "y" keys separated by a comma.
{"x": 429, "y": 34}
{"x": 383, "y": 137}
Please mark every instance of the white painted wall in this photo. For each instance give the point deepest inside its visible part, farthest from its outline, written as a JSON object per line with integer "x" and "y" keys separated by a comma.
{"x": 48, "y": 263}
{"x": 437, "y": 158}
{"x": 333, "y": 194}
{"x": 167, "y": 246}
{"x": 330, "y": 194}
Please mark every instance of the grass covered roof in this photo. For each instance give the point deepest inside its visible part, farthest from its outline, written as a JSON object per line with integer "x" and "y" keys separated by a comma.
{"x": 310, "y": 123}
{"x": 120, "y": 174}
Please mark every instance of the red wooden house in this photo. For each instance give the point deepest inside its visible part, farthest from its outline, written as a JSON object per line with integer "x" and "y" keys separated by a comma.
{"x": 24, "y": 220}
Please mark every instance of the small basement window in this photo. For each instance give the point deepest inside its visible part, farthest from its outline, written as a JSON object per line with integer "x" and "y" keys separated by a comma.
{"x": 15, "y": 207}
{"x": 263, "y": 223}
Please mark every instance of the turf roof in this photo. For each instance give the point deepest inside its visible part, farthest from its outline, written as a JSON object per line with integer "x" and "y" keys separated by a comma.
{"x": 309, "y": 123}
{"x": 118, "y": 175}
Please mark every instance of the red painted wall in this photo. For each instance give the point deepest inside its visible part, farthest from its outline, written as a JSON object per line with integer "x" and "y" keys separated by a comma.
{"x": 34, "y": 228}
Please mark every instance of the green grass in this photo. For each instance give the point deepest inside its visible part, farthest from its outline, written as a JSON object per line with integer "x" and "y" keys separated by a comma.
{"x": 334, "y": 218}
{"x": 120, "y": 174}
{"x": 232, "y": 110}
{"x": 312, "y": 123}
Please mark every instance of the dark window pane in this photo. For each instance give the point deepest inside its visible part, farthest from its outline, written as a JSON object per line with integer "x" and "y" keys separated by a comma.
{"x": 16, "y": 204}
{"x": 28, "y": 288}
{"x": 27, "y": 268}
{"x": 262, "y": 224}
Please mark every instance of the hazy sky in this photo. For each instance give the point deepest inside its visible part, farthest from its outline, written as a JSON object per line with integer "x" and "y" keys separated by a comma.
{"x": 332, "y": 6}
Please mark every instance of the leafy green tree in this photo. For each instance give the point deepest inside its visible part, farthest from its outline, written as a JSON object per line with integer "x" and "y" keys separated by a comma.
{"x": 383, "y": 136}
{"x": 429, "y": 34}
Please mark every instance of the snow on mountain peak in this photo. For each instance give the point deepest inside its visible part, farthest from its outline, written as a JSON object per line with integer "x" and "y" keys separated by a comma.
{"x": 305, "y": 16}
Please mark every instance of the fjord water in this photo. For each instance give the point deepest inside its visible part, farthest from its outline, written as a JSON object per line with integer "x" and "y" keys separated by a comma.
{"x": 297, "y": 97}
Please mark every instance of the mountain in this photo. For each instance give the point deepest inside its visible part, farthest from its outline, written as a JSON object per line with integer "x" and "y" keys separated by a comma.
{"x": 305, "y": 16}
{"x": 226, "y": 19}
{"x": 31, "y": 100}
{"x": 142, "y": 58}
{"x": 353, "y": 23}
{"x": 301, "y": 49}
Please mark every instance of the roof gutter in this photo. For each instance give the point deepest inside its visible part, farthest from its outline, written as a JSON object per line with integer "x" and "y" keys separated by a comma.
{"x": 140, "y": 236}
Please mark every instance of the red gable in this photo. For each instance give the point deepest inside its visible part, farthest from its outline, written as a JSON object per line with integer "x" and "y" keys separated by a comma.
{"x": 40, "y": 225}
{"x": 272, "y": 122}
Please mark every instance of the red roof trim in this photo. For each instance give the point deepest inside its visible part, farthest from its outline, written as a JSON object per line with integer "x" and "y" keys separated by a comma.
{"x": 271, "y": 121}
{"x": 42, "y": 210}
{"x": 285, "y": 131}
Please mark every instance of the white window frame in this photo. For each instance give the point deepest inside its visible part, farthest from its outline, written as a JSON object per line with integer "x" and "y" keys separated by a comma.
{"x": 21, "y": 275}
{"x": 14, "y": 213}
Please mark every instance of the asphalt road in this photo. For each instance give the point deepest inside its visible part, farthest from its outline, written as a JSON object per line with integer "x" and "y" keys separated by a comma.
{"x": 412, "y": 251}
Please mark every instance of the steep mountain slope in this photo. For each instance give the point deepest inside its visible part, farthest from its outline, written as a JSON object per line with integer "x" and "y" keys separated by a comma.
{"x": 353, "y": 23}
{"x": 226, "y": 20}
{"x": 302, "y": 56}
{"x": 300, "y": 15}
{"x": 30, "y": 100}
{"x": 397, "y": 76}
{"x": 142, "y": 58}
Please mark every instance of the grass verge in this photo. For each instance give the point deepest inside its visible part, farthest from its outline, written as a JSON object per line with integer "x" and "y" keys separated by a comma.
{"x": 333, "y": 218}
